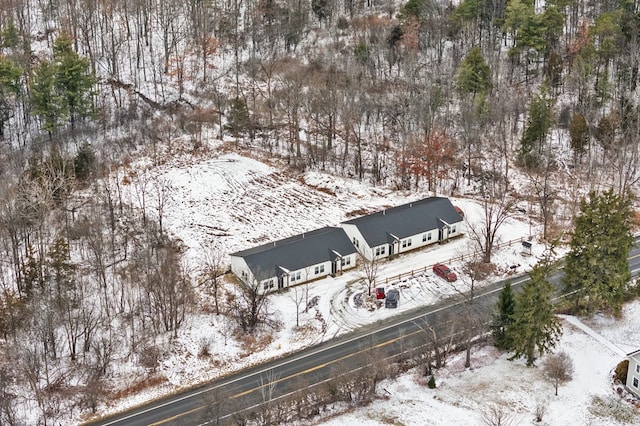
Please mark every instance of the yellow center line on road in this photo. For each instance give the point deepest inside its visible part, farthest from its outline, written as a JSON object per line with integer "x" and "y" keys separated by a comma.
{"x": 317, "y": 367}
{"x": 300, "y": 373}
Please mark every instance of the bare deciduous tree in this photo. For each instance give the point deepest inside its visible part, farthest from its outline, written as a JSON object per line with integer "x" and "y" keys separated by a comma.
{"x": 214, "y": 400}
{"x": 558, "y": 368}
{"x": 163, "y": 194}
{"x": 496, "y": 415}
{"x": 368, "y": 270}
{"x": 497, "y": 206}
{"x": 214, "y": 268}
{"x": 544, "y": 192}
{"x": 298, "y": 297}
{"x": 249, "y": 306}
{"x": 440, "y": 345}
{"x": 268, "y": 382}
{"x": 471, "y": 320}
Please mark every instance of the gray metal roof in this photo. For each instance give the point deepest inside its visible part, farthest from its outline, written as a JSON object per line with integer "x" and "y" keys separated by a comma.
{"x": 297, "y": 252}
{"x": 406, "y": 220}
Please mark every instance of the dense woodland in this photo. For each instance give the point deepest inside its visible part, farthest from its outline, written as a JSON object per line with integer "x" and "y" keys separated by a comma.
{"x": 423, "y": 94}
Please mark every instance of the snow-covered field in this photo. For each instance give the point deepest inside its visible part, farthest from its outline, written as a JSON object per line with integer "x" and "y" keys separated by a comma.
{"x": 232, "y": 202}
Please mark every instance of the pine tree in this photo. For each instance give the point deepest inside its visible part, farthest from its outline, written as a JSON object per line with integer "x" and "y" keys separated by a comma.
{"x": 503, "y": 318}
{"x": 45, "y": 99}
{"x": 579, "y": 133}
{"x": 238, "y": 117}
{"x": 63, "y": 89}
{"x": 10, "y": 74}
{"x": 61, "y": 272}
{"x": 596, "y": 270}
{"x": 474, "y": 75}
{"x": 535, "y": 134}
{"x": 74, "y": 81}
{"x": 535, "y": 329}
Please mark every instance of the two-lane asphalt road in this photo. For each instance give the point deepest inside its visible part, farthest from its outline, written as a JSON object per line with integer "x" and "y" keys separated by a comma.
{"x": 244, "y": 391}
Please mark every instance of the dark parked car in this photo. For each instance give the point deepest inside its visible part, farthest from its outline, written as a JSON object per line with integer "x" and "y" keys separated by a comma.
{"x": 380, "y": 293}
{"x": 393, "y": 296}
{"x": 443, "y": 271}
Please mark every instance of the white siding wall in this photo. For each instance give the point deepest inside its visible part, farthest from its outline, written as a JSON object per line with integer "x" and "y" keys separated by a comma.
{"x": 381, "y": 252}
{"x": 633, "y": 375}
{"x": 241, "y": 269}
{"x": 349, "y": 261}
{"x": 352, "y": 232}
{"x": 426, "y": 238}
{"x": 309, "y": 273}
{"x": 407, "y": 244}
{"x": 459, "y": 228}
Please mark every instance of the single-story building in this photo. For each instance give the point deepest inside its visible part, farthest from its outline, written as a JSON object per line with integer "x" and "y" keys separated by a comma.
{"x": 404, "y": 228}
{"x": 295, "y": 260}
{"x": 633, "y": 373}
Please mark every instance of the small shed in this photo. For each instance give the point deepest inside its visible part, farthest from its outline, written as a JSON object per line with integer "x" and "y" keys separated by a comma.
{"x": 526, "y": 247}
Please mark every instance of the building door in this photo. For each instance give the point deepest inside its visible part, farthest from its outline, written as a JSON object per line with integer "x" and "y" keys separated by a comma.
{"x": 334, "y": 266}
{"x": 281, "y": 282}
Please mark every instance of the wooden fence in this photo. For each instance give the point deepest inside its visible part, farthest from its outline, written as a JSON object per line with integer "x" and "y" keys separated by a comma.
{"x": 424, "y": 269}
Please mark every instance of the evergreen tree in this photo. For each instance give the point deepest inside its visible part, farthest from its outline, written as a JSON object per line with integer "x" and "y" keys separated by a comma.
{"x": 238, "y": 120}
{"x": 535, "y": 329}
{"x": 84, "y": 164}
{"x": 10, "y": 74}
{"x": 579, "y": 133}
{"x": 503, "y": 318}
{"x": 63, "y": 89}
{"x": 415, "y": 9}
{"x": 535, "y": 134}
{"x": 45, "y": 99}
{"x": 596, "y": 270}
{"x": 607, "y": 130}
{"x": 60, "y": 272}
{"x": 74, "y": 81}
{"x": 31, "y": 274}
{"x": 9, "y": 36}
{"x": 474, "y": 75}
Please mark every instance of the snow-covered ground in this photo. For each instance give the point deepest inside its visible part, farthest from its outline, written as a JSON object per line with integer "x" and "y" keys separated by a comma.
{"x": 233, "y": 202}
{"x": 467, "y": 396}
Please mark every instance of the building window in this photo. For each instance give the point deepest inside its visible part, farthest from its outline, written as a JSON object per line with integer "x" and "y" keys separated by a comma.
{"x": 319, "y": 269}
{"x": 637, "y": 368}
{"x": 348, "y": 261}
{"x": 295, "y": 277}
{"x": 453, "y": 229}
{"x": 424, "y": 238}
{"x": 268, "y": 284}
{"x": 635, "y": 382}
{"x": 343, "y": 262}
{"x": 406, "y": 243}
{"x": 380, "y": 251}
{"x": 355, "y": 242}
{"x": 244, "y": 275}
